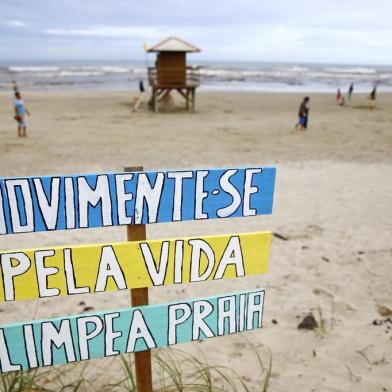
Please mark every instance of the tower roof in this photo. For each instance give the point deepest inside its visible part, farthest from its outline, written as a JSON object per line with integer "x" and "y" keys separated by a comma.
{"x": 173, "y": 44}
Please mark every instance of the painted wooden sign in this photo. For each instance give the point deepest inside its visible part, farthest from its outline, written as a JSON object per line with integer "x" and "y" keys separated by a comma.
{"x": 50, "y": 272}
{"x": 80, "y": 201}
{"x": 104, "y": 334}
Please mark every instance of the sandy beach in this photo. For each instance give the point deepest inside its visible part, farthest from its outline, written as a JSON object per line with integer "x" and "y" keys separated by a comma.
{"x": 332, "y": 214}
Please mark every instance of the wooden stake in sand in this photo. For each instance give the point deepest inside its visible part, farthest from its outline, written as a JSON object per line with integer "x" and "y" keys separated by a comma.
{"x": 139, "y": 297}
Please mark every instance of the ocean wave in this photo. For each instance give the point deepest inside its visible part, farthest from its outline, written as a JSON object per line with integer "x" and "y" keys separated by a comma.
{"x": 294, "y": 69}
{"x": 92, "y": 70}
{"x": 22, "y": 69}
{"x": 127, "y": 75}
{"x": 104, "y": 69}
{"x": 80, "y": 73}
{"x": 354, "y": 70}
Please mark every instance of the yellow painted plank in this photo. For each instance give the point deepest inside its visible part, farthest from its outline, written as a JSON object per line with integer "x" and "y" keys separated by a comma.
{"x": 35, "y": 273}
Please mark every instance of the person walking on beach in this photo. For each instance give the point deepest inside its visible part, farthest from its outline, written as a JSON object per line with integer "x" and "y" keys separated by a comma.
{"x": 15, "y": 86}
{"x": 338, "y": 95}
{"x": 138, "y": 100}
{"x": 340, "y": 98}
{"x": 372, "y": 98}
{"x": 350, "y": 91}
{"x": 20, "y": 112}
{"x": 303, "y": 114}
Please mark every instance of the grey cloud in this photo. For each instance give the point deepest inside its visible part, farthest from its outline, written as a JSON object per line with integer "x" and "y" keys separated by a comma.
{"x": 282, "y": 30}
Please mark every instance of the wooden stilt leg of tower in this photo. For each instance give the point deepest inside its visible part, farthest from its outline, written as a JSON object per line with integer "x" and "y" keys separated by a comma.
{"x": 193, "y": 99}
{"x": 188, "y": 93}
{"x": 155, "y": 94}
{"x": 187, "y": 99}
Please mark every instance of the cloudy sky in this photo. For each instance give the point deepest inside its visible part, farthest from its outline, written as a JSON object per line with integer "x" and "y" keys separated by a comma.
{"x": 333, "y": 31}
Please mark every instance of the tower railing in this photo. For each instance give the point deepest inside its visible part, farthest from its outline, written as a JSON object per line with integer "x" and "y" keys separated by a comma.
{"x": 193, "y": 76}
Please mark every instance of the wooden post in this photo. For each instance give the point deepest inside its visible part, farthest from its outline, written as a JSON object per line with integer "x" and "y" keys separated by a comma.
{"x": 155, "y": 99}
{"x": 139, "y": 297}
{"x": 193, "y": 99}
{"x": 187, "y": 99}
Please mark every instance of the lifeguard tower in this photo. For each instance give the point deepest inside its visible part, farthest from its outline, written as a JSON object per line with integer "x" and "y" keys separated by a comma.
{"x": 172, "y": 73}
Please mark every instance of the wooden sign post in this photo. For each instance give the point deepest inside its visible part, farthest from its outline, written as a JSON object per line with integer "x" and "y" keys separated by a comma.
{"x": 139, "y": 297}
{"x": 132, "y": 198}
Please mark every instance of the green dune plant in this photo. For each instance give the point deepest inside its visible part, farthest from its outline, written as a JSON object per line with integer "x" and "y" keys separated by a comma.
{"x": 173, "y": 369}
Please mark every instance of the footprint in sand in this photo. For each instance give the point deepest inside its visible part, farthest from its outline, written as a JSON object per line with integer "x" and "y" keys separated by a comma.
{"x": 309, "y": 232}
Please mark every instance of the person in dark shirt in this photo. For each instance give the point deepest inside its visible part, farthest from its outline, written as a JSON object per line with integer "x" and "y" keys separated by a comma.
{"x": 350, "y": 91}
{"x": 137, "y": 101}
{"x": 372, "y": 98}
{"x": 303, "y": 114}
{"x": 141, "y": 86}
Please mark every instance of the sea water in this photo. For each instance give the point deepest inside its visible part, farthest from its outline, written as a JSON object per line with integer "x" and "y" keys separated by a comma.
{"x": 220, "y": 76}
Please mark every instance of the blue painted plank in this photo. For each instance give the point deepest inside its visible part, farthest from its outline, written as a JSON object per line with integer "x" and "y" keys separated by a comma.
{"x": 102, "y": 334}
{"x": 35, "y": 204}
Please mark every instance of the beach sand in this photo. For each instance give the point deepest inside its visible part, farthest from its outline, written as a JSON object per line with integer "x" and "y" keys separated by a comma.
{"x": 332, "y": 206}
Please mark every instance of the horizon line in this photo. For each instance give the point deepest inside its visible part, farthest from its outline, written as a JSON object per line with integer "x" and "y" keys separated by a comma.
{"x": 7, "y": 61}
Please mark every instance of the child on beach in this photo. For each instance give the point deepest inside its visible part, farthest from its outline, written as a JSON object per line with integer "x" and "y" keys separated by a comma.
{"x": 338, "y": 95}
{"x": 303, "y": 113}
{"x": 340, "y": 98}
{"x": 20, "y": 111}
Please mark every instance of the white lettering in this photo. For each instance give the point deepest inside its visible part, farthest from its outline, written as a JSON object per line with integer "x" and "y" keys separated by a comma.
{"x": 178, "y": 260}
{"x": 200, "y": 194}
{"x": 10, "y": 271}
{"x": 177, "y": 202}
{"x": 85, "y": 335}
{"x": 70, "y": 275}
{"x": 110, "y": 334}
{"x": 69, "y": 203}
{"x": 199, "y": 246}
{"x": 109, "y": 267}
{"x": 255, "y": 309}
{"x": 249, "y": 190}
{"x": 242, "y": 313}
{"x": 152, "y": 196}
{"x": 139, "y": 330}
{"x": 122, "y": 198}
{"x": 49, "y": 209}
{"x": 61, "y": 337}
{"x": 30, "y": 346}
{"x": 226, "y": 314}
{"x": 17, "y": 225}
{"x": 201, "y": 310}
{"x": 229, "y": 188}
{"x": 5, "y": 361}
{"x": 231, "y": 255}
{"x": 88, "y": 196}
{"x": 175, "y": 320}
{"x": 43, "y": 272}
{"x": 157, "y": 274}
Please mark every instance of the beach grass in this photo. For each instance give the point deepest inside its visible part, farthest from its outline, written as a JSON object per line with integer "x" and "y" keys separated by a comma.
{"x": 173, "y": 371}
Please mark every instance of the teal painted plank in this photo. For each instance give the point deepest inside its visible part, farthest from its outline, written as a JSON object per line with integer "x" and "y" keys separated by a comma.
{"x": 102, "y": 334}
{"x": 64, "y": 202}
